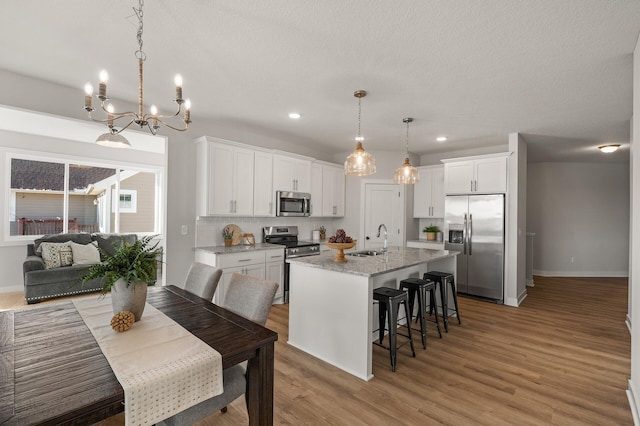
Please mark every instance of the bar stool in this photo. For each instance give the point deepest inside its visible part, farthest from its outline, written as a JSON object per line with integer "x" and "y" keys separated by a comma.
{"x": 442, "y": 279}
{"x": 390, "y": 299}
{"x": 416, "y": 286}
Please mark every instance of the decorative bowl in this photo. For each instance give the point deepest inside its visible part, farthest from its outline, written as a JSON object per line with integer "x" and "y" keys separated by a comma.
{"x": 340, "y": 247}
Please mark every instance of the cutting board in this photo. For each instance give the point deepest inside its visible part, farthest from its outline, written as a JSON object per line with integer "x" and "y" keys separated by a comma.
{"x": 237, "y": 234}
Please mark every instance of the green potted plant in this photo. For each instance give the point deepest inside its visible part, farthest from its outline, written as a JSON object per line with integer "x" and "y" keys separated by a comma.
{"x": 323, "y": 232}
{"x": 431, "y": 232}
{"x": 227, "y": 235}
{"x": 127, "y": 273}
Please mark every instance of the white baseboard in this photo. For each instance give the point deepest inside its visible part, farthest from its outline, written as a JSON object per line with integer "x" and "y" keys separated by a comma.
{"x": 584, "y": 274}
{"x": 11, "y": 289}
{"x": 633, "y": 403}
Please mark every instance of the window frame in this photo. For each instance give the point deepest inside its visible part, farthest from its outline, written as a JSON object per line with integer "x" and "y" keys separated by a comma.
{"x": 67, "y": 160}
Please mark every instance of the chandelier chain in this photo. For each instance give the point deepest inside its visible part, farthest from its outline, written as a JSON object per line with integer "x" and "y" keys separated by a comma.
{"x": 359, "y": 115}
{"x": 408, "y": 138}
{"x": 140, "y": 14}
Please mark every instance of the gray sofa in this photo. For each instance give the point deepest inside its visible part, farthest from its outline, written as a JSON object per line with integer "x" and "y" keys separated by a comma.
{"x": 41, "y": 283}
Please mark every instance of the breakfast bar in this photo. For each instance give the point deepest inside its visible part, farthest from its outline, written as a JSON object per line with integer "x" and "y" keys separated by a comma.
{"x": 331, "y": 307}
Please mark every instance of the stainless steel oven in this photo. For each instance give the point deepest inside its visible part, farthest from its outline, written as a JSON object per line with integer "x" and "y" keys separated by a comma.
{"x": 288, "y": 236}
{"x": 293, "y": 204}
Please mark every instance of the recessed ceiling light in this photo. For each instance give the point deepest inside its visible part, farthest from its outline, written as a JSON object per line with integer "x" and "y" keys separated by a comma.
{"x": 609, "y": 148}
{"x": 441, "y": 138}
{"x": 294, "y": 115}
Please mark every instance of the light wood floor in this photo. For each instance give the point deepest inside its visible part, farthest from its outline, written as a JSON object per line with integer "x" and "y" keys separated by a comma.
{"x": 561, "y": 358}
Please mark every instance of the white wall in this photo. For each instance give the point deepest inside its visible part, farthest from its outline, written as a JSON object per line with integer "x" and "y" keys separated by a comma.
{"x": 516, "y": 229}
{"x": 633, "y": 390}
{"x": 38, "y": 95}
{"x": 579, "y": 211}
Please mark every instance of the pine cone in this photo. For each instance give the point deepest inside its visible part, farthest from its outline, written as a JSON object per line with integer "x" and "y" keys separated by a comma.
{"x": 122, "y": 321}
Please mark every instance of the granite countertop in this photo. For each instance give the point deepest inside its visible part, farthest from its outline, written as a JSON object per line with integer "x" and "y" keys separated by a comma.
{"x": 240, "y": 248}
{"x": 426, "y": 241}
{"x": 398, "y": 258}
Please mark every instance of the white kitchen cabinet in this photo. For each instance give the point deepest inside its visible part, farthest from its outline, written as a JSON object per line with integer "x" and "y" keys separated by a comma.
{"x": 333, "y": 191}
{"x": 328, "y": 190}
{"x": 316, "y": 190}
{"x": 255, "y": 263}
{"x": 485, "y": 175}
{"x": 291, "y": 174}
{"x": 274, "y": 271}
{"x": 224, "y": 179}
{"x": 263, "y": 193}
{"x": 428, "y": 193}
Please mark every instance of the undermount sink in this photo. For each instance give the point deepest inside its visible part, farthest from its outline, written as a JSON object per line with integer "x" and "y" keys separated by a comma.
{"x": 365, "y": 253}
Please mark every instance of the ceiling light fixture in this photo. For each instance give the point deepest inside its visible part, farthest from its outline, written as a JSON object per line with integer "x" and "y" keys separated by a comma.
{"x": 441, "y": 138}
{"x": 294, "y": 115}
{"x": 151, "y": 120}
{"x": 406, "y": 174}
{"x": 359, "y": 162}
{"x": 609, "y": 148}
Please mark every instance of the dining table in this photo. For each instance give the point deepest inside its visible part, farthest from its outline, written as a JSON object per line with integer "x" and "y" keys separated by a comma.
{"x": 53, "y": 372}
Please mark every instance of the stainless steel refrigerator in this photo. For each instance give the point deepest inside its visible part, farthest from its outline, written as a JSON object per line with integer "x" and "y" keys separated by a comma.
{"x": 474, "y": 226}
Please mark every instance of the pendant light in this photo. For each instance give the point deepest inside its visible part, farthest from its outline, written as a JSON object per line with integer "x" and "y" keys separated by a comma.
{"x": 359, "y": 162}
{"x": 406, "y": 174}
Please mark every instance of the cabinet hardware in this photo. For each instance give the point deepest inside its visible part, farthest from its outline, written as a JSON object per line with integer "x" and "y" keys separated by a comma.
{"x": 244, "y": 260}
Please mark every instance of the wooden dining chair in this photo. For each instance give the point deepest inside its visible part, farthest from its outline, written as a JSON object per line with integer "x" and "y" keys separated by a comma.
{"x": 251, "y": 298}
{"x": 202, "y": 280}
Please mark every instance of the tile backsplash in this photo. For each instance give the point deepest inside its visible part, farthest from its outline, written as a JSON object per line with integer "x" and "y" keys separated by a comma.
{"x": 209, "y": 228}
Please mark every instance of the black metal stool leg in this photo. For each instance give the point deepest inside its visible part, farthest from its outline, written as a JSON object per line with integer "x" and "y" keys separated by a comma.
{"x": 421, "y": 312}
{"x": 455, "y": 299}
{"x": 382, "y": 313}
{"x": 393, "y": 330}
{"x": 406, "y": 310}
{"x": 443, "y": 299}
{"x": 432, "y": 302}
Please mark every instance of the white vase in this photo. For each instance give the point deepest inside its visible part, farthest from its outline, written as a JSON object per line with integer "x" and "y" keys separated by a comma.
{"x": 130, "y": 297}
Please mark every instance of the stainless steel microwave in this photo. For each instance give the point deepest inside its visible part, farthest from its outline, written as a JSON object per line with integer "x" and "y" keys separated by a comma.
{"x": 293, "y": 203}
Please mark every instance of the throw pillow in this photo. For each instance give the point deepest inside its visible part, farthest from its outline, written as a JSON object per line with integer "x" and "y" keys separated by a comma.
{"x": 85, "y": 254}
{"x": 56, "y": 255}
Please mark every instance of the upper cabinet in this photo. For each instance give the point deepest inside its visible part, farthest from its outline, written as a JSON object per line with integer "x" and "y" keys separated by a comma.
{"x": 327, "y": 190}
{"x": 224, "y": 184}
{"x": 316, "y": 189}
{"x": 485, "y": 175}
{"x": 428, "y": 193}
{"x": 263, "y": 193}
{"x": 333, "y": 190}
{"x": 291, "y": 174}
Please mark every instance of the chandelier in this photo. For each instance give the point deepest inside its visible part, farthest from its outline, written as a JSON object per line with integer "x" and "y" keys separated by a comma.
{"x": 152, "y": 120}
{"x": 359, "y": 162}
{"x": 406, "y": 174}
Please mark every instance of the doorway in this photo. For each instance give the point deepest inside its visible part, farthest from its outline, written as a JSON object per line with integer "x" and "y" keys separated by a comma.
{"x": 382, "y": 203}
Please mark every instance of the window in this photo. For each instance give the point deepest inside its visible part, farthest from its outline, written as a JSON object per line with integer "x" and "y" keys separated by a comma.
{"x": 49, "y": 197}
{"x": 128, "y": 200}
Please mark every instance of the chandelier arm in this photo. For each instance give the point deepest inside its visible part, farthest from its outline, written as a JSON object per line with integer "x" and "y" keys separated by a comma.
{"x": 159, "y": 116}
{"x": 117, "y": 132}
{"x": 97, "y": 120}
{"x": 186, "y": 126}
{"x": 117, "y": 115}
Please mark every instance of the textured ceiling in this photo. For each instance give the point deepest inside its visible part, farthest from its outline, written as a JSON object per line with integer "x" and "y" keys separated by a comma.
{"x": 558, "y": 71}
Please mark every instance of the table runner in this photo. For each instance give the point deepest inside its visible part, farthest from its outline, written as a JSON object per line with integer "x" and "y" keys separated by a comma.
{"x": 162, "y": 368}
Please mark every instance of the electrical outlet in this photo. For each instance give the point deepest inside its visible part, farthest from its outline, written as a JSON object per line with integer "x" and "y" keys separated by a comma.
{"x": 184, "y": 230}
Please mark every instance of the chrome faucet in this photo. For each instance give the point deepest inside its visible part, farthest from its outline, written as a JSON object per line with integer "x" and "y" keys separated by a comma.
{"x": 384, "y": 246}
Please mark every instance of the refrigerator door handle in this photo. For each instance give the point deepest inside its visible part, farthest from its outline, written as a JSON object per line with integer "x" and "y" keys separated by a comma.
{"x": 464, "y": 235}
{"x": 469, "y": 238}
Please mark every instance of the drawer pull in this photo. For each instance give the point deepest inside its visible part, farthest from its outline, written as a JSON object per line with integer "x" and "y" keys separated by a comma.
{"x": 244, "y": 260}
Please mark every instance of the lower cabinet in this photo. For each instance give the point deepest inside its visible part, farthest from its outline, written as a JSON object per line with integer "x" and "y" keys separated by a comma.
{"x": 265, "y": 264}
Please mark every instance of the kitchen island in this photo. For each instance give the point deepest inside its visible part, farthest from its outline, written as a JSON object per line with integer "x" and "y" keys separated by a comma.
{"x": 331, "y": 311}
